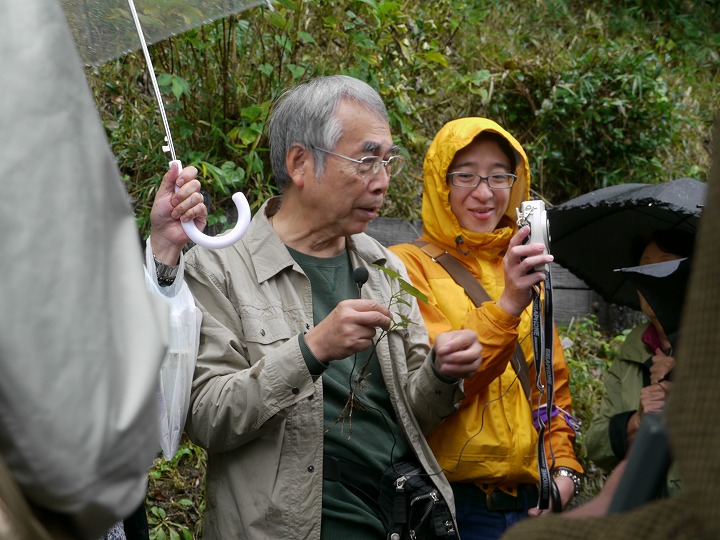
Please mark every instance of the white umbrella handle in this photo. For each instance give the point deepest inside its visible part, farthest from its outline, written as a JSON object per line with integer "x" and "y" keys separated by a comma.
{"x": 225, "y": 240}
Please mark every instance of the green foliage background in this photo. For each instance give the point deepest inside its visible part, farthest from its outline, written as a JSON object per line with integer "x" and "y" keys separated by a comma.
{"x": 599, "y": 92}
{"x": 589, "y": 352}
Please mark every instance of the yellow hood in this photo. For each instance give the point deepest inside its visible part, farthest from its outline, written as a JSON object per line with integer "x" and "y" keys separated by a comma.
{"x": 440, "y": 225}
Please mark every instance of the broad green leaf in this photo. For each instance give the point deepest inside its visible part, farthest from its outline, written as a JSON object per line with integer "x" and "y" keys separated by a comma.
{"x": 388, "y": 271}
{"x": 266, "y": 69}
{"x": 405, "y": 286}
{"x": 251, "y": 113}
{"x": 481, "y": 76}
{"x": 435, "y": 57}
{"x": 164, "y": 79}
{"x": 158, "y": 511}
{"x": 248, "y": 135}
{"x": 305, "y": 37}
{"x": 371, "y": 3}
{"x": 277, "y": 19}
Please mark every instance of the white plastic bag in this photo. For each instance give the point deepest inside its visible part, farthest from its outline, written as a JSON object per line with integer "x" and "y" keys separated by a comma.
{"x": 176, "y": 372}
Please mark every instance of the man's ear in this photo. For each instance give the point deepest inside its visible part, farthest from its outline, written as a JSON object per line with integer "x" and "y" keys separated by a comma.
{"x": 300, "y": 164}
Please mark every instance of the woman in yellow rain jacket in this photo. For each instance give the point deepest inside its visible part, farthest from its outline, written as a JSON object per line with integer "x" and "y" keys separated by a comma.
{"x": 476, "y": 175}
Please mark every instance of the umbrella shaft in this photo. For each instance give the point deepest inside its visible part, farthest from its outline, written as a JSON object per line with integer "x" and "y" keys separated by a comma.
{"x": 168, "y": 137}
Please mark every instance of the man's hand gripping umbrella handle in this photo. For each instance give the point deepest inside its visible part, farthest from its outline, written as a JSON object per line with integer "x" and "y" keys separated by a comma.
{"x": 216, "y": 242}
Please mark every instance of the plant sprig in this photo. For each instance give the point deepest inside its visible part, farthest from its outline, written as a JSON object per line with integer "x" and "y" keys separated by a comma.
{"x": 399, "y": 321}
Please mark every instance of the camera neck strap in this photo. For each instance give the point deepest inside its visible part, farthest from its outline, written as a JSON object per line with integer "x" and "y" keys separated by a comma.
{"x": 478, "y": 295}
{"x": 542, "y": 340}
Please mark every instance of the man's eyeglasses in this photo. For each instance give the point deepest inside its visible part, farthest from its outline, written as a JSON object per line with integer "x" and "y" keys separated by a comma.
{"x": 370, "y": 165}
{"x": 471, "y": 181}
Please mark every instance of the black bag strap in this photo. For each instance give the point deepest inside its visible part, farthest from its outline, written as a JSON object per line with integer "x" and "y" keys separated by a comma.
{"x": 478, "y": 295}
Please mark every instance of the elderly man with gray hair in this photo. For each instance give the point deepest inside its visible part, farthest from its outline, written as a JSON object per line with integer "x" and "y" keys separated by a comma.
{"x": 307, "y": 389}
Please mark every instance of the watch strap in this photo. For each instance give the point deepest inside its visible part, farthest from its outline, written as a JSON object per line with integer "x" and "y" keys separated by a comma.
{"x": 165, "y": 273}
{"x": 575, "y": 477}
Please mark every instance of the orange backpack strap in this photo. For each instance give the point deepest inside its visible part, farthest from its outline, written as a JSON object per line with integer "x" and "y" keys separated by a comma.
{"x": 478, "y": 295}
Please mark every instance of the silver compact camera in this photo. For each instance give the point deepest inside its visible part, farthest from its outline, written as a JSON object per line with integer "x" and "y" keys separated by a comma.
{"x": 533, "y": 214}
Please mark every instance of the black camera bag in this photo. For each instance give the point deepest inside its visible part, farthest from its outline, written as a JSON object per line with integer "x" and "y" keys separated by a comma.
{"x": 413, "y": 507}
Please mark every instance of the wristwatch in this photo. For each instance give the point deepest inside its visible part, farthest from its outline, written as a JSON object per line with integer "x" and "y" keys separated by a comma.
{"x": 564, "y": 471}
{"x": 165, "y": 273}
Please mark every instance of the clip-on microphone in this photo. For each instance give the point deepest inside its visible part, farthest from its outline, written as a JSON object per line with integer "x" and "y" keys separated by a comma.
{"x": 360, "y": 276}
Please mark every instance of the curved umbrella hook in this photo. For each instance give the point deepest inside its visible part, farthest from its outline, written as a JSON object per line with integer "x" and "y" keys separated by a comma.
{"x": 224, "y": 240}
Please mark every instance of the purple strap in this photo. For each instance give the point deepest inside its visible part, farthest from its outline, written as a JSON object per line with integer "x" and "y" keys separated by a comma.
{"x": 541, "y": 414}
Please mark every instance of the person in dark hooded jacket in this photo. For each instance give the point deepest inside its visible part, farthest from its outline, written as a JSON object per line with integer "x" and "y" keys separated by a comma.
{"x": 639, "y": 380}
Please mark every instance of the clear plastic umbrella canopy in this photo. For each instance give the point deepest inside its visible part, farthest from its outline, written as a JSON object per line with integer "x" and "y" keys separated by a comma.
{"x": 104, "y": 29}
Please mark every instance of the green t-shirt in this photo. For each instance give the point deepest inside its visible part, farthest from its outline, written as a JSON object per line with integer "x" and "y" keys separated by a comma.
{"x": 370, "y": 437}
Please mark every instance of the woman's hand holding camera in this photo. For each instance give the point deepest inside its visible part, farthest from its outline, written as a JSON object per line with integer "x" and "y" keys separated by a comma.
{"x": 519, "y": 266}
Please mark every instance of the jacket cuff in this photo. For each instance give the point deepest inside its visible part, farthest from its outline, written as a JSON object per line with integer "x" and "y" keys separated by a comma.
{"x": 617, "y": 431}
{"x": 500, "y": 317}
{"x": 315, "y": 366}
{"x": 442, "y": 378}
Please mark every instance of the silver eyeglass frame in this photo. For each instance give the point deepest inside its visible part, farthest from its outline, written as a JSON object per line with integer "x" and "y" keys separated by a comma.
{"x": 377, "y": 162}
